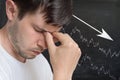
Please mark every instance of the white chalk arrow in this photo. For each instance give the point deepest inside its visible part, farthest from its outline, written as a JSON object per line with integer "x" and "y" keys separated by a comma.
{"x": 102, "y": 34}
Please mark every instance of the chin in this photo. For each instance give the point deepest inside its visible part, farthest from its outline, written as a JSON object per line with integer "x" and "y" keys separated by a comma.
{"x": 31, "y": 57}
{"x": 28, "y": 57}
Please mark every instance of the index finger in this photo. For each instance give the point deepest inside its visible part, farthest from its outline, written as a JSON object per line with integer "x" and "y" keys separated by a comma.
{"x": 63, "y": 38}
{"x": 50, "y": 42}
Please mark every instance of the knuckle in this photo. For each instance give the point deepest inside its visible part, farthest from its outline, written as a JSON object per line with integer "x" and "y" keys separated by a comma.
{"x": 77, "y": 45}
{"x": 66, "y": 34}
{"x": 70, "y": 44}
{"x": 78, "y": 51}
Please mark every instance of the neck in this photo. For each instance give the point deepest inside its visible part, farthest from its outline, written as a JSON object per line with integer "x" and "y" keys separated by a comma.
{"x": 7, "y": 44}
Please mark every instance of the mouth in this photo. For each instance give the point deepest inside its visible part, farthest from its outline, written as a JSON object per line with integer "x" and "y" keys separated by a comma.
{"x": 36, "y": 52}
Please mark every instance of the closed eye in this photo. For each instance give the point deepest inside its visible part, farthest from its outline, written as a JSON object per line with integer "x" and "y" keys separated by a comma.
{"x": 37, "y": 29}
{"x": 40, "y": 31}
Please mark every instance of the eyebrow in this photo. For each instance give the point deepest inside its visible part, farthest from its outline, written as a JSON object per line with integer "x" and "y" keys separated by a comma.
{"x": 43, "y": 30}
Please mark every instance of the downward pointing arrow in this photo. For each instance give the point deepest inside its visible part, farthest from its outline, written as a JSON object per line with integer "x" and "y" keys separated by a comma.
{"x": 105, "y": 35}
{"x": 102, "y": 34}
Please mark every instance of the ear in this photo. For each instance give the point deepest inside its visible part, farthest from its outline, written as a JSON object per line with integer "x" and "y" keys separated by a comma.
{"x": 11, "y": 10}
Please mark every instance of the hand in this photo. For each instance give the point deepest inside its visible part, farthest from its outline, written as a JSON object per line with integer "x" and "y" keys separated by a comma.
{"x": 63, "y": 58}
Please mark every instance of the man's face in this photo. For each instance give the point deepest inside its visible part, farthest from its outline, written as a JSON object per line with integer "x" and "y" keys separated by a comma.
{"x": 27, "y": 35}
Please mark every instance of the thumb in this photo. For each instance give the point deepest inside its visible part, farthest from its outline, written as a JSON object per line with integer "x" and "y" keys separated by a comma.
{"x": 50, "y": 42}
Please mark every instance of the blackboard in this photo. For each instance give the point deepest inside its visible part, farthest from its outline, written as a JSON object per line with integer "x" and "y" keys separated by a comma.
{"x": 100, "y": 56}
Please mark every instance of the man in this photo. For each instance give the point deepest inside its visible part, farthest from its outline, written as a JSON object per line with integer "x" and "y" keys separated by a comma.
{"x": 31, "y": 28}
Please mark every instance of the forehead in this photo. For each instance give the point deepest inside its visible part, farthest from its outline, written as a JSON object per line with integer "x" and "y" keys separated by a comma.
{"x": 37, "y": 19}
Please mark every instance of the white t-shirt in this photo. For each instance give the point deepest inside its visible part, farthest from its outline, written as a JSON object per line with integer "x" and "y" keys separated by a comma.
{"x": 34, "y": 69}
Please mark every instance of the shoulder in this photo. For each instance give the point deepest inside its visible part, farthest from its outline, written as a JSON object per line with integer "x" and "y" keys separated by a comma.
{"x": 4, "y": 69}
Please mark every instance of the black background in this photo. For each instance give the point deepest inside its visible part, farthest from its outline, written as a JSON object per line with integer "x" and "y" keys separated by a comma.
{"x": 100, "y": 57}
{"x": 2, "y": 13}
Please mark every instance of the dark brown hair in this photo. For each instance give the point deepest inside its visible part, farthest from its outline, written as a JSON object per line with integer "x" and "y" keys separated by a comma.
{"x": 55, "y": 11}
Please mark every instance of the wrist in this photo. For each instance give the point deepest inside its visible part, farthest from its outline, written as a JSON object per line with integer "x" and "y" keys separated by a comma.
{"x": 62, "y": 76}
